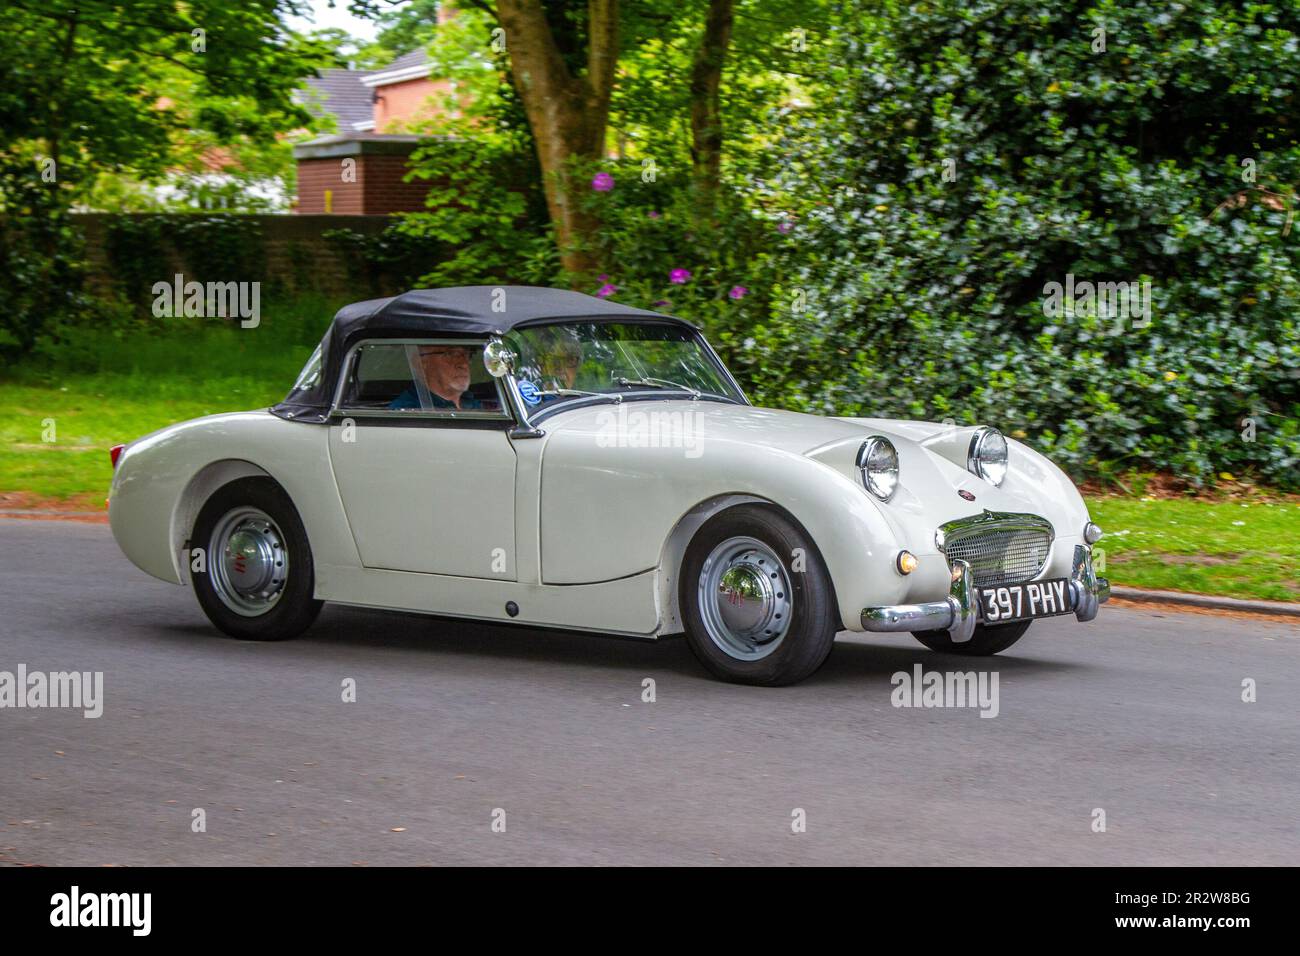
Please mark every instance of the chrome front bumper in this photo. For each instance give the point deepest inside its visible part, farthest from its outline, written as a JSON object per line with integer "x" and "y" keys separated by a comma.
{"x": 959, "y": 612}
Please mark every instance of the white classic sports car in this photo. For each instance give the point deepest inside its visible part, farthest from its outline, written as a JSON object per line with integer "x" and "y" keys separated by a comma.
{"x": 548, "y": 458}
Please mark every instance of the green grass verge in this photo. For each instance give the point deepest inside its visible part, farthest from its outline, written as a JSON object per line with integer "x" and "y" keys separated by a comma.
{"x": 106, "y": 388}
{"x": 1245, "y": 549}
{"x": 84, "y": 425}
{"x": 67, "y": 406}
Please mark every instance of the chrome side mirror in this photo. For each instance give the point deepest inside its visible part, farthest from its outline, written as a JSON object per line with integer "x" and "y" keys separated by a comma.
{"x": 498, "y": 358}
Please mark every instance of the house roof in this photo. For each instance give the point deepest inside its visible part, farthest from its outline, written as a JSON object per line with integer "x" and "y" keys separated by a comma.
{"x": 408, "y": 66}
{"x": 363, "y": 143}
{"x": 340, "y": 92}
{"x": 349, "y": 94}
{"x": 414, "y": 58}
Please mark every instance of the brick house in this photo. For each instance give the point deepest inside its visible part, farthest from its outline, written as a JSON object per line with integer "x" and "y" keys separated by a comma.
{"x": 360, "y": 169}
{"x": 357, "y": 174}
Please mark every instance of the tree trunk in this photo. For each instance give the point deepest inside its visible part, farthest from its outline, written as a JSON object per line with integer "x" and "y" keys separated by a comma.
{"x": 568, "y": 114}
{"x": 706, "y": 106}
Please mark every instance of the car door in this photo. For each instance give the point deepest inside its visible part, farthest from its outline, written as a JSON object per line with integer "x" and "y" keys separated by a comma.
{"x": 426, "y": 489}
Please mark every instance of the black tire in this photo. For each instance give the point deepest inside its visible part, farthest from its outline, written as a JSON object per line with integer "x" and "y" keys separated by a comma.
{"x": 988, "y": 639}
{"x": 295, "y": 608}
{"x": 813, "y": 616}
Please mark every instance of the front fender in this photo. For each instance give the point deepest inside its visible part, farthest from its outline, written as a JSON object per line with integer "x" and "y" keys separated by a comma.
{"x": 607, "y": 513}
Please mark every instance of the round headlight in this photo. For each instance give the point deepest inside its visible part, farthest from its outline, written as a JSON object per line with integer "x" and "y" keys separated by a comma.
{"x": 878, "y": 462}
{"x": 988, "y": 455}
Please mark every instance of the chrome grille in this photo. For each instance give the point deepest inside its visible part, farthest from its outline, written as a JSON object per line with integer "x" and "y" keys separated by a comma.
{"x": 1000, "y": 555}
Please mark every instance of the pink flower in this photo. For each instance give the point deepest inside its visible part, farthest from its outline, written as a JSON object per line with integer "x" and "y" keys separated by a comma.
{"x": 784, "y": 227}
{"x": 602, "y": 182}
{"x": 602, "y": 277}
{"x": 738, "y": 292}
{"x": 606, "y": 290}
{"x": 653, "y": 214}
{"x": 679, "y": 276}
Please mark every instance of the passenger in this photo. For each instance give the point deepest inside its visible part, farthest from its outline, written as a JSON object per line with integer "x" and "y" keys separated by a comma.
{"x": 561, "y": 362}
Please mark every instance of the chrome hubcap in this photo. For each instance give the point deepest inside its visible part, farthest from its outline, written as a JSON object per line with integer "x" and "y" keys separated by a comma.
{"x": 247, "y": 561}
{"x": 744, "y": 595}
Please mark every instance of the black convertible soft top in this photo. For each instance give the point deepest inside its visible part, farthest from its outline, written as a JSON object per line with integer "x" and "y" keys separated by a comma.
{"x": 474, "y": 310}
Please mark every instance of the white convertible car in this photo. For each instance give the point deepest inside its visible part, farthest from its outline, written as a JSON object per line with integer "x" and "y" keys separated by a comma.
{"x": 548, "y": 458}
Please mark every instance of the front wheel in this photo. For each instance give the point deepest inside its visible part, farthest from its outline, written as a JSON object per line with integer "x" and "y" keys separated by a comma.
{"x": 988, "y": 639}
{"x": 756, "y": 598}
{"x": 256, "y": 579}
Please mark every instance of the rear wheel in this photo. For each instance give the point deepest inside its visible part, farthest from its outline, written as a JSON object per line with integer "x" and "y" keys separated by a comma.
{"x": 988, "y": 639}
{"x": 756, "y": 599}
{"x": 257, "y": 578}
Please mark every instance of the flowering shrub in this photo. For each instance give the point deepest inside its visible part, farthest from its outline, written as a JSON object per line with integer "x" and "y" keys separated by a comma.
{"x": 658, "y": 253}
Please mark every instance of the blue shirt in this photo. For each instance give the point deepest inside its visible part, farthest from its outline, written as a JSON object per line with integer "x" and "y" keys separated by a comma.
{"x": 410, "y": 399}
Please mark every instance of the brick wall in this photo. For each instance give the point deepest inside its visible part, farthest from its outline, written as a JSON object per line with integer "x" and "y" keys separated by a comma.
{"x": 296, "y": 257}
{"x": 378, "y": 188}
{"x": 384, "y": 189}
{"x": 316, "y": 176}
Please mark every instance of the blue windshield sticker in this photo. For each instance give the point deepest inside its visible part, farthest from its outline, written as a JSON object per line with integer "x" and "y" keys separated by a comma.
{"x": 529, "y": 392}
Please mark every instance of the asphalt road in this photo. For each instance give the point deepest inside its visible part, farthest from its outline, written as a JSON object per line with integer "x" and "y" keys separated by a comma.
{"x": 1139, "y": 714}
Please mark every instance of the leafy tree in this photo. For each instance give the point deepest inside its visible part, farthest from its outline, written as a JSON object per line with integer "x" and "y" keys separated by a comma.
{"x": 706, "y": 106}
{"x": 235, "y": 167}
{"x": 656, "y": 73}
{"x": 89, "y": 80}
{"x": 563, "y": 63}
{"x": 485, "y": 218}
{"x": 402, "y": 29}
{"x": 773, "y": 64}
{"x": 89, "y": 85}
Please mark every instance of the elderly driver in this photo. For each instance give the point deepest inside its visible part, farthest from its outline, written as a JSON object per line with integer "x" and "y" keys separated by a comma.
{"x": 445, "y": 369}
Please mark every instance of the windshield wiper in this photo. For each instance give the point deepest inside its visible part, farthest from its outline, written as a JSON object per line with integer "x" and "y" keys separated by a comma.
{"x": 612, "y": 397}
{"x": 567, "y": 392}
{"x": 660, "y": 383}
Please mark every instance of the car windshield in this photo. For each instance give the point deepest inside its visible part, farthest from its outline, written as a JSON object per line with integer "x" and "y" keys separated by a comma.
{"x": 576, "y": 360}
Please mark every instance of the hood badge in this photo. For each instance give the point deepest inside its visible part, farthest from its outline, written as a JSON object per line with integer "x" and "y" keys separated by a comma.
{"x": 966, "y": 494}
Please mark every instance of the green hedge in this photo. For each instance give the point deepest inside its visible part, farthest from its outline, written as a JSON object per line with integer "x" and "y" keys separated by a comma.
{"x": 925, "y": 293}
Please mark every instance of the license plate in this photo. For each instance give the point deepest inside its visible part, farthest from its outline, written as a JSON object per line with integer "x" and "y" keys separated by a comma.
{"x": 1020, "y": 602}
